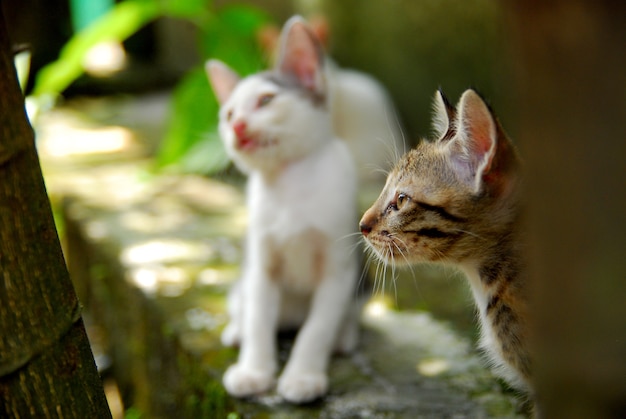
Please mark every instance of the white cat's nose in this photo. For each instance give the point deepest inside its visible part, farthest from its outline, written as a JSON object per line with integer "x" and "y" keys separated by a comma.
{"x": 240, "y": 127}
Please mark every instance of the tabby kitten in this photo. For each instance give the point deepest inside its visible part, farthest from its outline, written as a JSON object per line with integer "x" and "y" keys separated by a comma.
{"x": 456, "y": 201}
{"x": 299, "y": 269}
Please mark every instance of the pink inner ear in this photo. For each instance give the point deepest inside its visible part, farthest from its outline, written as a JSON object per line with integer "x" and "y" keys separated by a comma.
{"x": 223, "y": 80}
{"x": 479, "y": 130}
{"x": 300, "y": 56}
{"x": 482, "y": 133}
{"x": 305, "y": 71}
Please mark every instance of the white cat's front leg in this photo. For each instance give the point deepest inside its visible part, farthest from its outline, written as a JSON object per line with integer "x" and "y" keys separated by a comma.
{"x": 260, "y": 298}
{"x": 231, "y": 335}
{"x": 305, "y": 377}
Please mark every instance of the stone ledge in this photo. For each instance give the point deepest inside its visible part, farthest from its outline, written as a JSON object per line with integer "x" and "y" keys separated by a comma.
{"x": 152, "y": 260}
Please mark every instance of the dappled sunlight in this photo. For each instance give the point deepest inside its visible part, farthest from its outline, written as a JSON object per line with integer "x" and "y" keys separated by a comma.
{"x": 105, "y": 59}
{"x": 376, "y": 307}
{"x": 166, "y": 251}
{"x": 214, "y": 276}
{"x": 433, "y": 366}
{"x": 147, "y": 222}
{"x": 62, "y": 139}
{"x": 163, "y": 280}
{"x": 82, "y": 141}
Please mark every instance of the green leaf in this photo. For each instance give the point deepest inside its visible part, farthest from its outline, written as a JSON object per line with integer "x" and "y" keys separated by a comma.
{"x": 191, "y": 9}
{"x": 232, "y": 38}
{"x": 118, "y": 24}
{"x": 193, "y": 119}
{"x": 192, "y": 142}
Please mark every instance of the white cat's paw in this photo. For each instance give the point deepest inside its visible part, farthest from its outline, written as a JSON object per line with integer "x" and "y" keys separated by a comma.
{"x": 243, "y": 382}
{"x": 302, "y": 387}
{"x": 231, "y": 336}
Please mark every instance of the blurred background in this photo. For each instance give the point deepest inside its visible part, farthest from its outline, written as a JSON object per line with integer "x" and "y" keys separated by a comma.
{"x": 124, "y": 81}
{"x": 101, "y": 47}
{"x": 151, "y": 211}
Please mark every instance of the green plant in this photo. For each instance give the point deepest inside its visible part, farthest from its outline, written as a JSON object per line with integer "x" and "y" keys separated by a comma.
{"x": 190, "y": 142}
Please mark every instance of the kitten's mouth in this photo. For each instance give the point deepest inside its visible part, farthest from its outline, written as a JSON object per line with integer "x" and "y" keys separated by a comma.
{"x": 250, "y": 144}
{"x": 387, "y": 249}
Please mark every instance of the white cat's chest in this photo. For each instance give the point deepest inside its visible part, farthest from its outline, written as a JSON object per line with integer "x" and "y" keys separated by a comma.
{"x": 317, "y": 192}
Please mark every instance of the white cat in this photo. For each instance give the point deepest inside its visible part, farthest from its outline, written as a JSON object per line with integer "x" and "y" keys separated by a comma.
{"x": 300, "y": 268}
{"x": 364, "y": 117}
{"x": 362, "y": 111}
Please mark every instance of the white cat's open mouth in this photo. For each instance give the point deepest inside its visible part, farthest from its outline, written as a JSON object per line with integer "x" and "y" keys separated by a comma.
{"x": 250, "y": 144}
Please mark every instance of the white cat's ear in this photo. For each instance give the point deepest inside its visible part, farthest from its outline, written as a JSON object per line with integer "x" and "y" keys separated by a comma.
{"x": 474, "y": 145}
{"x": 443, "y": 115}
{"x": 223, "y": 79}
{"x": 301, "y": 55}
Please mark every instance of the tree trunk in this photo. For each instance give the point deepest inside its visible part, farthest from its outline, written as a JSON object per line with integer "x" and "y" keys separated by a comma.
{"x": 46, "y": 365}
{"x": 571, "y": 85}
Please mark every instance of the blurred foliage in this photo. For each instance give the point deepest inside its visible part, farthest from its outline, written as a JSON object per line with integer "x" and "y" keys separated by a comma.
{"x": 416, "y": 47}
{"x": 192, "y": 141}
{"x": 227, "y": 33}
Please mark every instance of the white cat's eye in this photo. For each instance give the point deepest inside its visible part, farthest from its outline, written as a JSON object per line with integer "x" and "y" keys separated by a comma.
{"x": 229, "y": 115}
{"x": 265, "y": 99}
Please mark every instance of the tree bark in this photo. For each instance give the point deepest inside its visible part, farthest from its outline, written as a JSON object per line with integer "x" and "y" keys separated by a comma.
{"x": 46, "y": 365}
{"x": 570, "y": 78}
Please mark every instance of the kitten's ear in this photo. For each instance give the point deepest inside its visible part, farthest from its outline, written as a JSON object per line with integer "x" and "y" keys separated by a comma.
{"x": 301, "y": 55}
{"x": 223, "y": 79}
{"x": 443, "y": 115}
{"x": 474, "y": 145}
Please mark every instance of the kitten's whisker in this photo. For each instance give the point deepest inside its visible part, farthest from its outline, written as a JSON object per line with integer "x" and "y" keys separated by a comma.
{"x": 390, "y": 126}
{"x": 469, "y": 233}
{"x": 365, "y": 267}
{"x": 404, "y": 252}
{"x": 377, "y": 280}
{"x": 349, "y": 235}
{"x": 374, "y": 168}
{"x": 394, "y": 278}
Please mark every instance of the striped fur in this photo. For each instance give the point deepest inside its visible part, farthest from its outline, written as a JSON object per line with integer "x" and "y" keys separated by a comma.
{"x": 455, "y": 201}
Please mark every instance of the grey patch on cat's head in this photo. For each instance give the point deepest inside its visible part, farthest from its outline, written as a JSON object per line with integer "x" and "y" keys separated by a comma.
{"x": 285, "y": 81}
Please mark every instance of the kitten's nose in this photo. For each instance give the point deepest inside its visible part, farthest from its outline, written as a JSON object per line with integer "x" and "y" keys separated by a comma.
{"x": 367, "y": 222}
{"x": 240, "y": 128}
{"x": 365, "y": 228}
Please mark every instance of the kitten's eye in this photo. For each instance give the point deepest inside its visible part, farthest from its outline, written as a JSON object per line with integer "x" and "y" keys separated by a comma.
{"x": 398, "y": 202}
{"x": 229, "y": 115}
{"x": 265, "y": 99}
{"x": 401, "y": 200}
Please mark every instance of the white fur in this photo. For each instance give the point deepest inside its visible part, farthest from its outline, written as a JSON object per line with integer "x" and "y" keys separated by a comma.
{"x": 488, "y": 337}
{"x": 299, "y": 270}
{"x": 364, "y": 117}
{"x": 441, "y": 121}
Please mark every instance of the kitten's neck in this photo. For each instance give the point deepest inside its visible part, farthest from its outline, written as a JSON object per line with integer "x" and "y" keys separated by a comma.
{"x": 498, "y": 285}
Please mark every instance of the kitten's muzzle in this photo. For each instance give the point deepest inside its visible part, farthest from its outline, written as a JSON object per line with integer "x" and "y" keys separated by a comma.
{"x": 367, "y": 222}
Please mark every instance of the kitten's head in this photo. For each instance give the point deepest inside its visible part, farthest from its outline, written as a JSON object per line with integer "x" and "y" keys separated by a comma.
{"x": 451, "y": 199}
{"x": 272, "y": 118}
